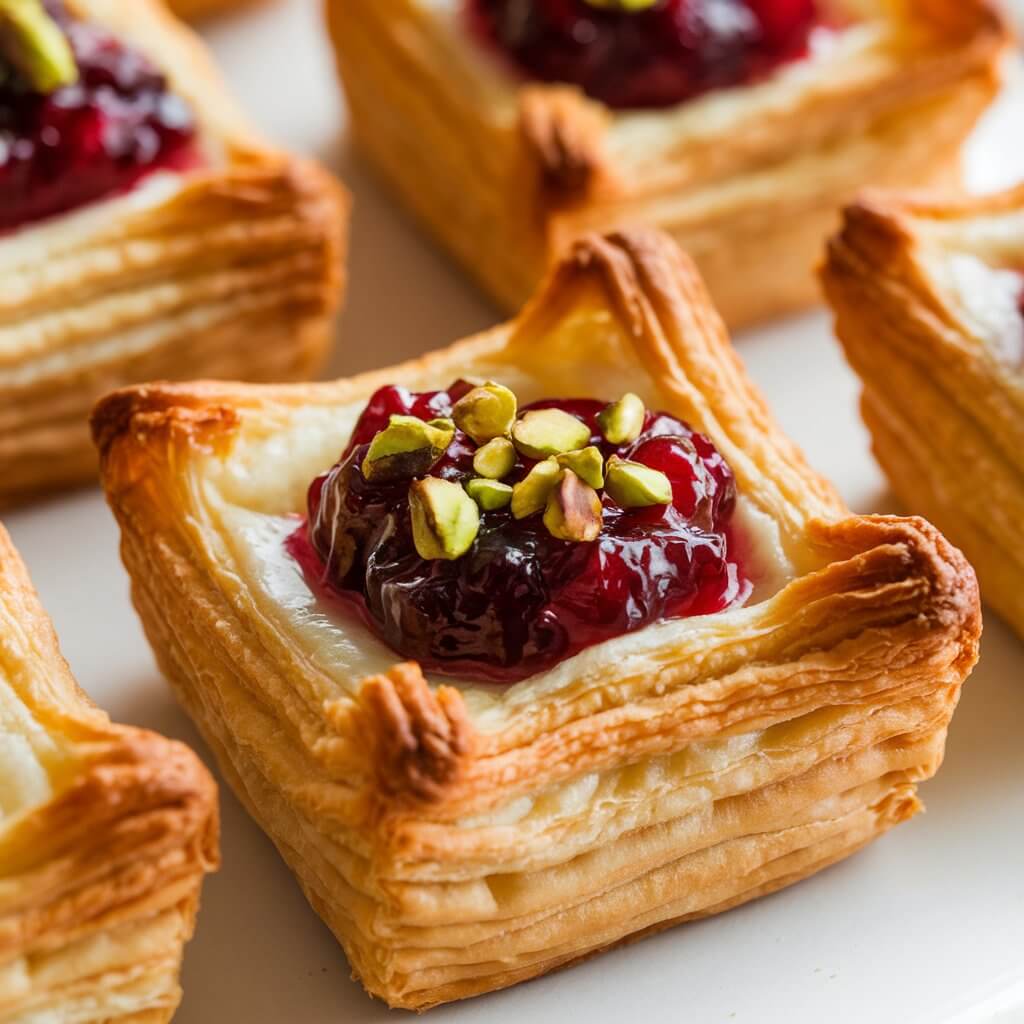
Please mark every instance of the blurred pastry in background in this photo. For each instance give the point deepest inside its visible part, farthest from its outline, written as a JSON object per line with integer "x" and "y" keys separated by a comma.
{"x": 508, "y": 127}
{"x": 929, "y": 301}
{"x": 145, "y": 230}
{"x": 106, "y": 833}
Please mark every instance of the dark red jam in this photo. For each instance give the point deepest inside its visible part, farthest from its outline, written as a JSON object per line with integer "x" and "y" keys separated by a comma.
{"x": 520, "y": 600}
{"x": 656, "y": 57}
{"x": 95, "y": 138}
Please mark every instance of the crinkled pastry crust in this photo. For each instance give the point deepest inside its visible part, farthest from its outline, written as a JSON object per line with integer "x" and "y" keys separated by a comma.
{"x": 747, "y": 180}
{"x": 458, "y": 838}
{"x": 230, "y": 271}
{"x": 205, "y": 8}
{"x": 105, "y": 835}
{"x": 925, "y": 293}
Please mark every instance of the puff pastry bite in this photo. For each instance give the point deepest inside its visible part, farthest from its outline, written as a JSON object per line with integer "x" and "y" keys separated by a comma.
{"x": 490, "y": 743}
{"x": 145, "y": 231}
{"x": 105, "y": 835}
{"x": 738, "y": 127}
{"x": 928, "y": 295}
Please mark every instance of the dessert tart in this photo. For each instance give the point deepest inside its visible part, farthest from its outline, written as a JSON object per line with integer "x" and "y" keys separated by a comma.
{"x": 509, "y": 127}
{"x": 145, "y": 231}
{"x": 105, "y": 835}
{"x": 929, "y": 301}
{"x": 540, "y": 642}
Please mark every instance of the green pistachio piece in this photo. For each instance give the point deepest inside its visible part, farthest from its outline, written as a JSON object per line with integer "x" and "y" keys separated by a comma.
{"x": 495, "y": 459}
{"x": 35, "y": 45}
{"x": 486, "y": 412}
{"x": 489, "y": 494}
{"x": 544, "y": 432}
{"x": 531, "y": 493}
{"x": 587, "y": 464}
{"x": 405, "y": 448}
{"x": 622, "y": 421}
{"x": 630, "y": 6}
{"x": 634, "y": 485}
{"x": 574, "y": 510}
{"x": 445, "y": 519}
{"x": 443, "y": 423}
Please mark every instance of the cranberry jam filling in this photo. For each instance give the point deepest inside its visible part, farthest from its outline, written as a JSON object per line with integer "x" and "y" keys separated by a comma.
{"x": 519, "y": 599}
{"x": 636, "y": 53}
{"x": 92, "y": 138}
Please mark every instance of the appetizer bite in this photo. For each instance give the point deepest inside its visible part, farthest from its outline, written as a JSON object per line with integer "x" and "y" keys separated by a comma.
{"x": 105, "y": 835}
{"x": 145, "y": 231}
{"x": 540, "y": 642}
{"x": 929, "y": 301}
{"x": 510, "y": 127}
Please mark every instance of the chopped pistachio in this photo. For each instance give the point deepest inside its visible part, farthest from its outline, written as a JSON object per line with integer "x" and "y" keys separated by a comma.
{"x": 634, "y": 485}
{"x": 574, "y": 510}
{"x": 486, "y": 412}
{"x": 621, "y": 422}
{"x": 445, "y": 519}
{"x": 405, "y": 448}
{"x": 489, "y": 494}
{"x": 544, "y": 432}
{"x": 587, "y": 463}
{"x": 496, "y": 459}
{"x": 443, "y": 423}
{"x": 630, "y": 6}
{"x": 36, "y": 46}
{"x": 531, "y": 493}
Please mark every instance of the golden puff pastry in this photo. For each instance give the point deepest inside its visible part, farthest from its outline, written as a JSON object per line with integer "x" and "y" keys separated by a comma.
{"x": 459, "y": 837}
{"x": 105, "y": 835}
{"x": 206, "y": 8}
{"x": 748, "y": 180}
{"x": 232, "y": 268}
{"x": 929, "y": 301}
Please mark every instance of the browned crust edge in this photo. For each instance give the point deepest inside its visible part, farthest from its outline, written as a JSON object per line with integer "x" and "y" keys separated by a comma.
{"x": 130, "y": 833}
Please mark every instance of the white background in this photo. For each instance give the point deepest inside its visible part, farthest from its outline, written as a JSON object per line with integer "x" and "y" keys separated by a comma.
{"x": 925, "y": 926}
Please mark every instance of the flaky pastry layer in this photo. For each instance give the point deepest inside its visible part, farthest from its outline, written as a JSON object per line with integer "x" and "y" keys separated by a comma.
{"x": 231, "y": 270}
{"x": 193, "y": 9}
{"x": 105, "y": 835}
{"x": 457, "y": 836}
{"x": 748, "y": 180}
{"x": 928, "y": 295}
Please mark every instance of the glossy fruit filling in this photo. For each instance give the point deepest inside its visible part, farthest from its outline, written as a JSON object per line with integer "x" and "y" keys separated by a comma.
{"x": 520, "y": 600}
{"x": 636, "y": 55}
{"x": 91, "y": 139}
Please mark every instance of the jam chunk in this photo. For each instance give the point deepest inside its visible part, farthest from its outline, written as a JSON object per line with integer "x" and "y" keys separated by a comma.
{"x": 639, "y": 54}
{"x": 90, "y": 138}
{"x": 520, "y": 598}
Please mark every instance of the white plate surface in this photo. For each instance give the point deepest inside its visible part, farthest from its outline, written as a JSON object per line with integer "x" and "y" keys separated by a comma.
{"x": 925, "y": 926}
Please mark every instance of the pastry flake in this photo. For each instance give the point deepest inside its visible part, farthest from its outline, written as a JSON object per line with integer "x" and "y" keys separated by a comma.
{"x": 105, "y": 835}
{"x": 196, "y": 9}
{"x": 505, "y": 171}
{"x": 224, "y": 259}
{"x": 928, "y": 294}
{"x": 459, "y": 836}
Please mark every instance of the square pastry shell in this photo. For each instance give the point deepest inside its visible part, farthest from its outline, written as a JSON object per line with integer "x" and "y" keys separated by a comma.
{"x": 928, "y": 297}
{"x": 230, "y": 270}
{"x": 748, "y": 180}
{"x": 461, "y": 837}
{"x": 105, "y": 835}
